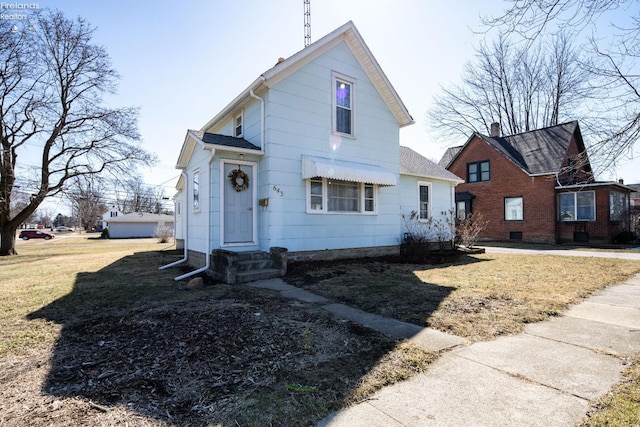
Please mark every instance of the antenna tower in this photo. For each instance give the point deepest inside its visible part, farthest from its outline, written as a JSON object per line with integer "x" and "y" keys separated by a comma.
{"x": 307, "y": 23}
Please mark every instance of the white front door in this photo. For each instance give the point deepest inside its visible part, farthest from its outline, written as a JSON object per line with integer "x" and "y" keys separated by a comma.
{"x": 238, "y": 204}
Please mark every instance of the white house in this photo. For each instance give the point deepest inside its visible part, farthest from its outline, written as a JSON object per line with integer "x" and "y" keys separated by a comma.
{"x": 113, "y": 212}
{"x": 306, "y": 158}
{"x": 138, "y": 224}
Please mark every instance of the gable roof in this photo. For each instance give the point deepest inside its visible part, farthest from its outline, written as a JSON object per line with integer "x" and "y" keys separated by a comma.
{"x": 412, "y": 163}
{"x": 448, "y": 156}
{"x": 537, "y": 152}
{"x": 348, "y": 34}
{"x": 211, "y": 141}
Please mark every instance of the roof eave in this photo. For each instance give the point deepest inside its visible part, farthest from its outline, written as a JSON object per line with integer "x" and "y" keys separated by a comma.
{"x": 432, "y": 177}
{"x": 237, "y": 101}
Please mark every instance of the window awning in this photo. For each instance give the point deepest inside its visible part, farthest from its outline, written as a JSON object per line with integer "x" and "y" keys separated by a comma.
{"x": 346, "y": 171}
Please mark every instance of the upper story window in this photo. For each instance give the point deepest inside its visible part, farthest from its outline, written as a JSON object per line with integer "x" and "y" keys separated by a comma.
{"x": 343, "y": 106}
{"x": 237, "y": 130}
{"x": 478, "y": 171}
{"x": 336, "y": 196}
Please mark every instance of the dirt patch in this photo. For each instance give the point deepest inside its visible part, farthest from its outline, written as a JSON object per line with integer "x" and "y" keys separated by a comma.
{"x": 245, "y": 357}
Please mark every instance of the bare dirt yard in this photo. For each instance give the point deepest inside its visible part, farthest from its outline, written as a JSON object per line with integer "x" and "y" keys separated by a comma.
{"x": 92, "y": 333}
{"x": 125, "y": 345}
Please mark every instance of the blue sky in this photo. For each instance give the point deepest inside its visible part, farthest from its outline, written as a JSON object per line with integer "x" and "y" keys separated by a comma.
{"x": 182, "y": 62}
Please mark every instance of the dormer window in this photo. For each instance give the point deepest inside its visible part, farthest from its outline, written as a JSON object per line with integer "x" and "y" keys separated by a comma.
{"x": 238, "y": 126}
{"x": 343, "y": 105}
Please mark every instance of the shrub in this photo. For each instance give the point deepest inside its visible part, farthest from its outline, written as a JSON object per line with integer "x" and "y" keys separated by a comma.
{"x": 625, "y": 237}
{"x": 468, "y": 229}
{"x": 105, "y": 233}
{"x": 163, "y": 234}
{"x": 422, "y": 235}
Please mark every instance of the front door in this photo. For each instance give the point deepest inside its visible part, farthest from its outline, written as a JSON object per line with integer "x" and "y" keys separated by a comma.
{"x": 238, "y": 203}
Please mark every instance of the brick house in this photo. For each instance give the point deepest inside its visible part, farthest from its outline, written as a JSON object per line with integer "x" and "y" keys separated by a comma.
{"x": 537, "y": 186}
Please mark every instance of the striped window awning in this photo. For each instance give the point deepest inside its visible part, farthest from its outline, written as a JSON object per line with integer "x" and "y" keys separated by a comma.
{"x": 346, "y": 171}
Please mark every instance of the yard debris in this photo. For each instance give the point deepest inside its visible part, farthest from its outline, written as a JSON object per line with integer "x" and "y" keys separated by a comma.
{"x": 218, "y": 359}
{"x": 195, "y": 283}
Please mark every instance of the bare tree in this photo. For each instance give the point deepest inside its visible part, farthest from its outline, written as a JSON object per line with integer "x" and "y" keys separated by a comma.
{"x": 51, "y": 97}
{"x": 132, "y": 195}
{"x": 86, "y": 201}
{"x": 520, "y": 88}
{"x": 614, "y": 124}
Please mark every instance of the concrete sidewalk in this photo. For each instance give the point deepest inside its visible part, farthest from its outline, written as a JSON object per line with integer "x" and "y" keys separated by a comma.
{"x": 629, "y": 254}
{"x": 546, "y": 376}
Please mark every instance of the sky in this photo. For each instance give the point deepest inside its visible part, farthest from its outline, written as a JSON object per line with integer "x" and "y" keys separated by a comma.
{"x": 183, "y": 62}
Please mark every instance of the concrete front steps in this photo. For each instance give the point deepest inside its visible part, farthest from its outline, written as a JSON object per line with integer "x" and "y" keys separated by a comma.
{"x": 242, "y": 267}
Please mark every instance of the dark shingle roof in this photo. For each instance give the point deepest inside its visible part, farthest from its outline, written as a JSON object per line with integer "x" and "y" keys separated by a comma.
{"x": 412, "y": 163}
{"x": 540, "y": 151}
{"x": 228, "y": 141}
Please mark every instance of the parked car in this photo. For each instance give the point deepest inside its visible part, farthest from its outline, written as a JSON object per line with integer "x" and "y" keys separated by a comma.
{"x": 35, "y": 234}
{"x": 62, "y": 229}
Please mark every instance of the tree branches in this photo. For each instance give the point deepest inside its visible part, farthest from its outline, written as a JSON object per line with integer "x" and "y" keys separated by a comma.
{"x": 51, "y": 95}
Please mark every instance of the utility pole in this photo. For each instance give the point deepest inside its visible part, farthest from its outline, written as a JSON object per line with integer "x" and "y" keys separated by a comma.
{"x": 307, "y": 22}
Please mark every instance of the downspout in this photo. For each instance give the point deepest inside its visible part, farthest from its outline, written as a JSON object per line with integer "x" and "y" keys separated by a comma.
{"x": 184, "y": 231}
{"x": 253, "y": 95}
{"x": 208, "y": 254}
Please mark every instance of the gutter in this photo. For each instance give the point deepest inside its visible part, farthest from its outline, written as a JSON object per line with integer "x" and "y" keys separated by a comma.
{"x": 208, "y": 254}
{"x": 185, "y": 231}
{"x": 234, "y": 104}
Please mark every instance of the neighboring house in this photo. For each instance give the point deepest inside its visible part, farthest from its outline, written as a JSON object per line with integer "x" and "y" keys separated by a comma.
{"x": 635, "y": 208}
{"x": 113, "y": 212}
{"x": 138, "y": 224}
{"x": 537, "y": 186}
{"x": 307, "y": 158}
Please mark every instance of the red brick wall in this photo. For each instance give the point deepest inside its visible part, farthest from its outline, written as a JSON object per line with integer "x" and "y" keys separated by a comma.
{"x": 508, "y": 180}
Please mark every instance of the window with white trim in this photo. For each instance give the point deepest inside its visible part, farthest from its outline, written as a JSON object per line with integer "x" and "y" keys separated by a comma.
{"x": 326, "y": 195}
{"x": 196, "y": 190}
{"x": 513, "y": 209}
{"x": 424, "y": 191}
{"x": 577, "y": 206}
{"x": 237, "y": 126}
{"x": 343, "y": 105}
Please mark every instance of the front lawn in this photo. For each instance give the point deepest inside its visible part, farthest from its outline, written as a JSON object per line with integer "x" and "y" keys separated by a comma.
{"x": 478, "y": 297}
{"x": 92, "y": 333}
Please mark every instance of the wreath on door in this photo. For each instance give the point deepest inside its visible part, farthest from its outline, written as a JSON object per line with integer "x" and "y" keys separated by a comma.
{"x": 239, "y": 179}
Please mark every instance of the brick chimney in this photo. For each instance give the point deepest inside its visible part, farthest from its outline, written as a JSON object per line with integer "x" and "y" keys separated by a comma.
{"x": 495, "y": 129}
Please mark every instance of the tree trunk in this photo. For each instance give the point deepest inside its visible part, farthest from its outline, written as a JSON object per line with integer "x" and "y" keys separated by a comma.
{"x": 8, "y": 241}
